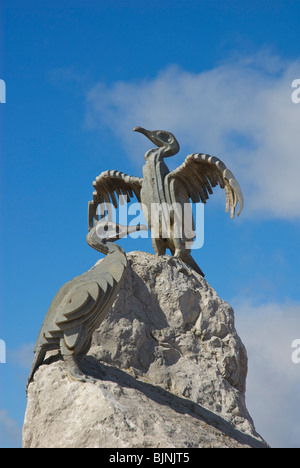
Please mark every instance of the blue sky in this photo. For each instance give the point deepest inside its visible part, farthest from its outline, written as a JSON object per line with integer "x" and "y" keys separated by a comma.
{"x": 218, "y": 74}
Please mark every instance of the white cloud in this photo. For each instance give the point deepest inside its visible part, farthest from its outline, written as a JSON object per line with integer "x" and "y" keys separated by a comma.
{"x": 272, "y": 395}
{"x": 241, "y": 111}
{"x": 17, "y": 359}
{"x": 10, "y": 431}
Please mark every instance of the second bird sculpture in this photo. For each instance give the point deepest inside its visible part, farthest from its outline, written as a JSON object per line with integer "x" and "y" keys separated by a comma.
{"x": 82, "y": 304}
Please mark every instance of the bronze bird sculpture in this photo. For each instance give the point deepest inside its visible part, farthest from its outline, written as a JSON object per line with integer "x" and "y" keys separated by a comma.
{"x": 82, "y": 304}
{"x": 165, "y": 196}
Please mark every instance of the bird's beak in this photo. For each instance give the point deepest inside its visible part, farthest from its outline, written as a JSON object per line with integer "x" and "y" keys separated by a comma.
{"x": 124, "y": 231}
{"x": 142, "y": 130}
{"x": 97, "y": 240}
{"x": 138, "y": 227}
{"x": 148, "y": 134}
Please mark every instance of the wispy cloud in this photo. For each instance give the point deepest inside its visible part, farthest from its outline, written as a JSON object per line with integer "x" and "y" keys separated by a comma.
{"x": 241, "y": 111}
{"x": 19, "y": 360}
{"x": 272, "y": 393}
{"x": 10, "y": 431}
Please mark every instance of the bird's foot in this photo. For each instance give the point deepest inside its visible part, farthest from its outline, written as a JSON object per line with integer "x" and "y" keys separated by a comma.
{"x": 77, "y": 375}
{"x": 178, "y": 253}
{"x": 74, "y": 371}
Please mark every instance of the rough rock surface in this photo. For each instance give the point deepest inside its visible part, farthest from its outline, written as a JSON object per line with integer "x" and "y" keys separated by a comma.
{"x": 171, "y": 371}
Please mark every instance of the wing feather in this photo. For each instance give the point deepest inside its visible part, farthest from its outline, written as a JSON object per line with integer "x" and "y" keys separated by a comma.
{"x": 78, "y": 304}
{"x": 82, "y": 307}
{"x": 200, "y": 173}
{"x": 197, "y": 181}
{"x": 112, "y": 187}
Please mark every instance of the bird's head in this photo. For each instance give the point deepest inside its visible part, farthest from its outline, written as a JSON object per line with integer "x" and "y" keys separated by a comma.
{"x": 105, "y": 232}
{"x": 162, "y": 139}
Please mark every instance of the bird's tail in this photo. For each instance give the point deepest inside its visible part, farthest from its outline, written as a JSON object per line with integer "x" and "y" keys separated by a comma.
{"x": 188, "y": 259}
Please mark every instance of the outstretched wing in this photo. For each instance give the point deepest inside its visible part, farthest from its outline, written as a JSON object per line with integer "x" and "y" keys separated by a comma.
{"x": 111, "y": 186}
{"x": 200, "y": 173}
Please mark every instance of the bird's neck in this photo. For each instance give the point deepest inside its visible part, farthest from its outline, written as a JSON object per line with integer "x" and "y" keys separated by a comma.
{"x": 114, "y": 248}
{"x": 110, "y": 248}
{"x": 105, "y": 248}
{"x": 154, "y": 156}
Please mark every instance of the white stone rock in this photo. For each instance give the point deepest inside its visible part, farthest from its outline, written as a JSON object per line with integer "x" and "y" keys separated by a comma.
{"x": 171, "y": 369}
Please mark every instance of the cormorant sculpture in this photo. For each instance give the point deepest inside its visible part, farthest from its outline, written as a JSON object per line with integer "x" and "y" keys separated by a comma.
{"x": 165, "y": 195}
{"x": 82, "y": 304}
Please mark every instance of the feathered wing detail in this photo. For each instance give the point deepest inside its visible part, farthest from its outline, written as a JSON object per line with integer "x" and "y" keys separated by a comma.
{"x": 200, "y": 173}
{"x": 86, "y": 305}
{"x": 109, "y": 187}
{"x": 78, "y": 309}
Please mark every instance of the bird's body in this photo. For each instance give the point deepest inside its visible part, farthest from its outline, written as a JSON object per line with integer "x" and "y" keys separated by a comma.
{"x": 79, "y": 307}
{"x": 165, "y": 196}
{"x": 154, "y": 200}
